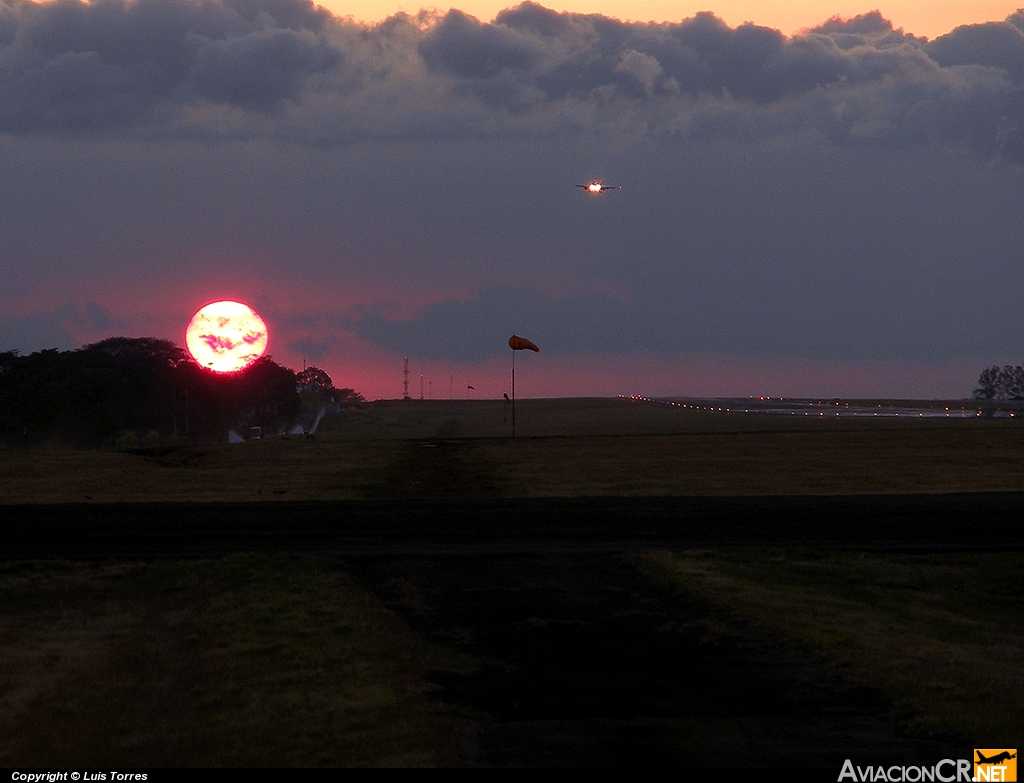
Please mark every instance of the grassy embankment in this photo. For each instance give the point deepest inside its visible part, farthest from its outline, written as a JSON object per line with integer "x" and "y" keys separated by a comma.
{"x": 566, "y": 448}
{"x": 272, "y": 660}
{"x": 942, "y": 634}
{"x": 246, "y": 661}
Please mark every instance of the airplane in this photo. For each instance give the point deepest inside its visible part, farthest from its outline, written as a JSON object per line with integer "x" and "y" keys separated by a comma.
{"x": 597, "y": 187}
{"x": 996, "y": 758}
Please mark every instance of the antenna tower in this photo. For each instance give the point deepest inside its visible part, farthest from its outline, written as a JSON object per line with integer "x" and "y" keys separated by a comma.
{"x": 405, "y": 382}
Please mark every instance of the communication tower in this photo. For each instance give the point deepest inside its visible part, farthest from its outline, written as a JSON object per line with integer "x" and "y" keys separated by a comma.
{"x": 405, "y": 382}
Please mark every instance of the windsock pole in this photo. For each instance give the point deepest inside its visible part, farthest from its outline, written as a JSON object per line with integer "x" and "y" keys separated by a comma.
{"x": 513, "y": 393}
{"x": 517, "y": 343}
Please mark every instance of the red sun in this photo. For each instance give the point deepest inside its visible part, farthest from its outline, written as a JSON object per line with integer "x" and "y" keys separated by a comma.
{"x": 226, "y": 336}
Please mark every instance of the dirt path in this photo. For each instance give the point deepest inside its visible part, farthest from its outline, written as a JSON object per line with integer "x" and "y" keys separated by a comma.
{"x": 583, "y": 661}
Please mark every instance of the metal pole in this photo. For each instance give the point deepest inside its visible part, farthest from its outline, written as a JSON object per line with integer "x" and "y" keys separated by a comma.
{"x": 513, "y": 393}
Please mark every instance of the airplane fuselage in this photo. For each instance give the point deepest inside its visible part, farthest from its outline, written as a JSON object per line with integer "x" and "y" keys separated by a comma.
{"x": 597, "y": 187}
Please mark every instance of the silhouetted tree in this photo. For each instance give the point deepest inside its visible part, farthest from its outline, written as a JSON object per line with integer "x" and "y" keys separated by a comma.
{"x": 1000, "y": 383}
{"x": 264, "y": 394}
{"x": 141, "y": 352}
{"x": 348, "y": 396}
{"x": 89, "y": 396}
{"x": 314, "y": 376}
{"x": 93, "y": 404}
{"x": 153, "y": 367}
{"x": 987, "y": 384}
{"x": 1014, "y": 382}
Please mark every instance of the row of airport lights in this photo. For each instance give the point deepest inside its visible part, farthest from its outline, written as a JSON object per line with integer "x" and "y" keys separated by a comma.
{"x": 641, "y": 398}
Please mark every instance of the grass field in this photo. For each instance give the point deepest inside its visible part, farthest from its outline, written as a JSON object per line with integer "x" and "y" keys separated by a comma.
{"x": 564, "y": 448}
{"x": 247, "y": 661}
{"x": 942, "y": 634}
{"x": 289, "y": 659}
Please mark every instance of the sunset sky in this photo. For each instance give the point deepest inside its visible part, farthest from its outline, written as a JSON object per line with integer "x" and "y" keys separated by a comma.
{"x": 929, "y": 19}
{"x": 810, "y": 205}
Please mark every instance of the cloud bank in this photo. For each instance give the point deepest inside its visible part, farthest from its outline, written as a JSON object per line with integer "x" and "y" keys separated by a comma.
{"x": 290, "y": 70}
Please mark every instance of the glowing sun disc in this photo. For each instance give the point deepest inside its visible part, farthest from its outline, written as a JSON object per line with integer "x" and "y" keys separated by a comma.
{"x": 226, "y": 336}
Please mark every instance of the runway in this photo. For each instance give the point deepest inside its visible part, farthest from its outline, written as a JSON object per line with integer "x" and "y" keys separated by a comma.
{"x": 841, "y": 409}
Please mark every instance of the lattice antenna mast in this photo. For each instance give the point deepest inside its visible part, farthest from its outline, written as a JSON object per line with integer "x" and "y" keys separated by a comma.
{"x": 405, "y": 381}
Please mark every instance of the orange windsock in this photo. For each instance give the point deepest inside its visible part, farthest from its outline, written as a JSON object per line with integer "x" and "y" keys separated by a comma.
{"x": 517, "y": 343}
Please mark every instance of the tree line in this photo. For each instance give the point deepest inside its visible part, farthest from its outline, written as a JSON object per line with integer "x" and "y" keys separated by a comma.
{"x": 1000, "y": 383}
{"x": 124, "y": 390}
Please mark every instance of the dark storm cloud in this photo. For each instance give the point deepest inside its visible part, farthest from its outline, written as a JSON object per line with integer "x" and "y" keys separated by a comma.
{"x": 856, "y": 29}
{"x": 54, "y": 329}
{"x": 479, "y": 328}
{"x": 995, "y": 44}
{"x": 856, "y": 81}
{"x": 99, "y": 317}
{"x": 74, "y": 65}
{"x": 259, "y": 70}
{"x": 33, "y": 333}
{"x": 289, "y": 70}
{"x": 93, "y": 317}
{"x": 461, "y": 44}
{"x": 315, "y": 350}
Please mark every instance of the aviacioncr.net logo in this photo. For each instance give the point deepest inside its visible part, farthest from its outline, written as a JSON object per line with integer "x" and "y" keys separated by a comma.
{"x": 945, "y": 771}
{"x": 998, "y": 764}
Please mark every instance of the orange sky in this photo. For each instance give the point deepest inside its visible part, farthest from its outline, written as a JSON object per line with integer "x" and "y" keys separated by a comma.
{"x": 928, "y": 19}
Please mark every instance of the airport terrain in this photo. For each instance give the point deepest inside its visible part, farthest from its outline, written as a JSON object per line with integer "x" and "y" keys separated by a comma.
{"x": 625, "y": 582}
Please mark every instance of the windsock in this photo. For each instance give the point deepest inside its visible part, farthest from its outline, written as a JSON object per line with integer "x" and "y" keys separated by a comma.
{"x": 517, "y": 343}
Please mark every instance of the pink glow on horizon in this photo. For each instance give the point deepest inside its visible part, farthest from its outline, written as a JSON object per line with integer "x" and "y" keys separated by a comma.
{"x": 376, "y": 372}
{"x": 380, "y": 377}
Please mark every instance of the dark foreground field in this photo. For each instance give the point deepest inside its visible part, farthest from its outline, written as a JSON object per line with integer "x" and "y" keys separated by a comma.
{"x": 610, "y": 621}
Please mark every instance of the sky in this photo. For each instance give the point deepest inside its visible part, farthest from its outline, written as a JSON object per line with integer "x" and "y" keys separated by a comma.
{"x": 822, "y": 204}
{"x": 929, "y": 19}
